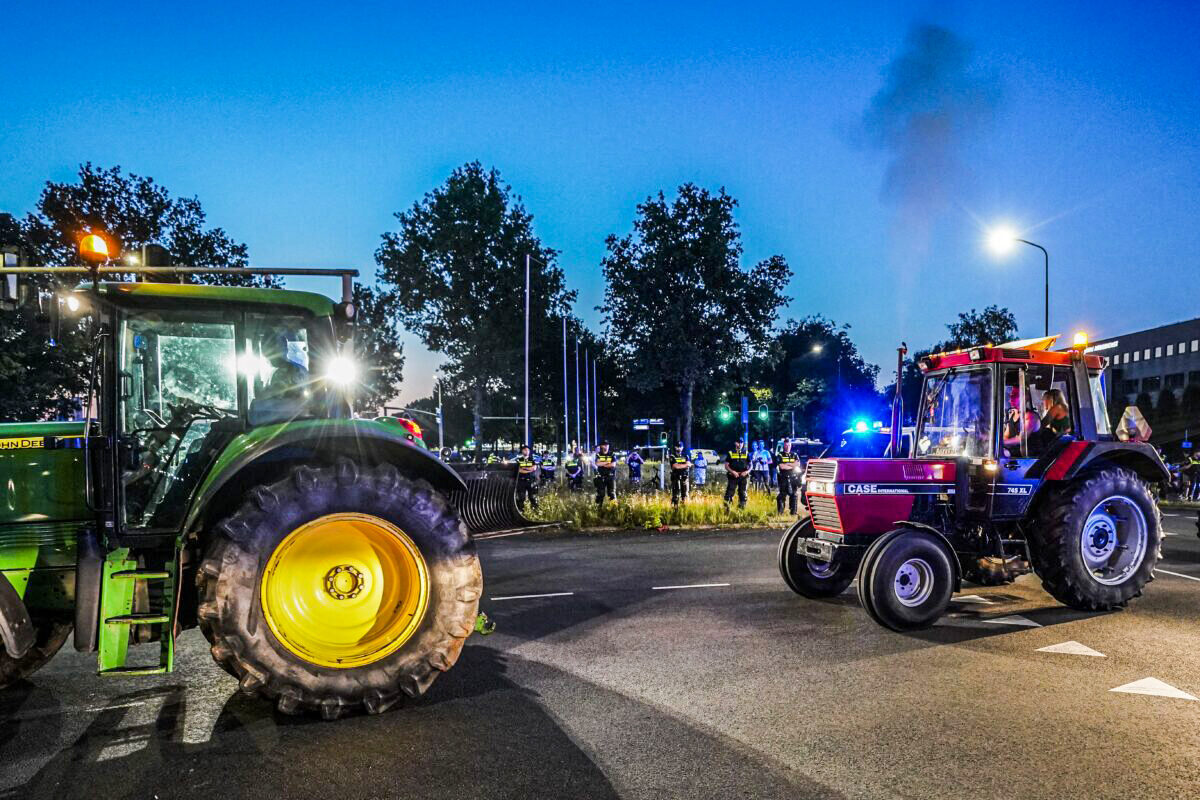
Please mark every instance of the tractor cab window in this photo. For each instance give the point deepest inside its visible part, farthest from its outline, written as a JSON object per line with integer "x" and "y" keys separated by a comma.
{"x": 176, "y": 378}
{"x": 1050, "y": 399}
{"x": 277, "y": 364}
{"x": 956, "y": 414}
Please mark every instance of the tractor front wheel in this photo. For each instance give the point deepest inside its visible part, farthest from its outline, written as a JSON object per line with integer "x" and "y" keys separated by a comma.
{"x": 339, "y": 588}
{"x": 806, "y": 576}
{"x": 1096, "y": 542}
{"x": 906, "y": 579}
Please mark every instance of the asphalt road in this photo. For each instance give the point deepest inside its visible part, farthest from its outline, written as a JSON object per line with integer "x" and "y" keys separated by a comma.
{"x": 730, "y": 686}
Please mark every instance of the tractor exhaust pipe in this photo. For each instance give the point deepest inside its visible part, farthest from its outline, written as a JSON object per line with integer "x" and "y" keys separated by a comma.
{"x": 898, "y": 400}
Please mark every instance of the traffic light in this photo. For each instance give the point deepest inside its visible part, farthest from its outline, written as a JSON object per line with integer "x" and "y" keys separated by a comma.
{"x": 725, "y": 414}
{"x": 662, "y": 437}
{"x": 762, "y": 413}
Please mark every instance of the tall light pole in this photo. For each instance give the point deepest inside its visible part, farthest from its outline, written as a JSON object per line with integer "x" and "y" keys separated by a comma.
{"x": 596, "y": 400}
{"x": 566, "y": 410}
{"x": 578, "y": 434}
{"x": 1002, "y": 239}
{"x": 587, "y": 407}
{"x": 526, "y": 439}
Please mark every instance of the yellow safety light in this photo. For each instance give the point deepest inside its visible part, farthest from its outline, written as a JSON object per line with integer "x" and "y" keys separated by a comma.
{"x": 1081, "y": 340}
{"x": 94, "y": 248}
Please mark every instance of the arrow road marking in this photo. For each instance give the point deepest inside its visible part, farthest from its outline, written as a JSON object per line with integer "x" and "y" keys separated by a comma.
{"x": 1071, "y": 648}
{"x": 1014, "y": 619}
{"x": 1155, "y": 687}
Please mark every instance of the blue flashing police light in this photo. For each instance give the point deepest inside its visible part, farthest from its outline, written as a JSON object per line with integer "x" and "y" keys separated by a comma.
{"x": 860, "y": 426}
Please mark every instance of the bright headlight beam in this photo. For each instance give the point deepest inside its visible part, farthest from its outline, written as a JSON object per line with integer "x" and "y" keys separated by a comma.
{"x": 341, "y": 370}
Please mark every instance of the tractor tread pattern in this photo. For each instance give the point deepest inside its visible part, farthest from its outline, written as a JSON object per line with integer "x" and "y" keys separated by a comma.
{"x": 51, "y": 635}
{"x": 1056, "y": 540}
{"x": 242, "y": 643}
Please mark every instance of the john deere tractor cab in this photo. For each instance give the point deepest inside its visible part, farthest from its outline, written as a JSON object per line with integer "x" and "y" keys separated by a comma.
{"x": 219, "y": 480}
{"x": 1013, "y": 468}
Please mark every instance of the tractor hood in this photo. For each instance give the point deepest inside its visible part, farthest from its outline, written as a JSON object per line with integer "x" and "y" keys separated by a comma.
{"x": 869, "y": 495}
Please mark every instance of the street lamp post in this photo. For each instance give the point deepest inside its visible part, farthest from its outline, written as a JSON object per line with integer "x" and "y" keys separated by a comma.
{"x": 1001, "y": 240}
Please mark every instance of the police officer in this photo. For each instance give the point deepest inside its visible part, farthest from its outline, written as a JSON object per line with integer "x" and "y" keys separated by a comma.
{"x": 606, "y": 469}
{"x": 635, "y": 462}
{"x": 549, "y": 462}
{"x": 527, "y": 486}
{"x": 679, "y": 465}
{"x": 699, "y": 468}
{"x": 737, "y": 470}
{"x": 574, "y": 470}
{"x": 790, "y": 470}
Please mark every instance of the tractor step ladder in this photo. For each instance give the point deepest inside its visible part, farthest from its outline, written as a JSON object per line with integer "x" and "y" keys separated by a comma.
{"x": 121, "y": 579}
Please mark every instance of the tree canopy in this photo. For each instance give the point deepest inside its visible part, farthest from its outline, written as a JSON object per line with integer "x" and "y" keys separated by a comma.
{"x": 376, "y": 344}
{"x": 679, "y": 307}
{"x": 454, "y": 273}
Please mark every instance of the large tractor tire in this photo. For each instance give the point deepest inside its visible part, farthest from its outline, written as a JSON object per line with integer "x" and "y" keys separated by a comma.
{"x": 1096, "y": 542}
{"x": 906, "y": 579}
{"x": 808, "y": 577}
{"x": 339, "y": 588}
{"x": 51, "y": 635}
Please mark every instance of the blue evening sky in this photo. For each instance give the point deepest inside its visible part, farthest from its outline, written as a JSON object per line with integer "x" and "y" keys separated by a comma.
{"x": 303, "y": 127}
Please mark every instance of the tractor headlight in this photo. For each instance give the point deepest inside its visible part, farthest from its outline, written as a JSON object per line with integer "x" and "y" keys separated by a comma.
{"x": 341, "y": 370}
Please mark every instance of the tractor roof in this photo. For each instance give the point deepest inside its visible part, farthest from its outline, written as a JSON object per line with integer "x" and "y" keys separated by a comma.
{"x": 1025, "y": 351}
{"x": 316, "y": 304}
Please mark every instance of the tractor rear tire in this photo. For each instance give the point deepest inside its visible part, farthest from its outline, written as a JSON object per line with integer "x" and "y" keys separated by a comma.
{"x": 1096, "y": 542}
{"x": 339, "y": 588}
{"x": 51, "y": 635}
{"x": 906, "y": 580}
{"x": 806, "y": 577}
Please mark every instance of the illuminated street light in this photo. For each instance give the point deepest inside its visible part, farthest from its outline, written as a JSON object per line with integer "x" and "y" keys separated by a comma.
{"x": 816, "y": 348}
{"x": 1002, "y": 239}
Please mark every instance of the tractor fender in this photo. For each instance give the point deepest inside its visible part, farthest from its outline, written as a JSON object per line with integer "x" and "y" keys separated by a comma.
{"x": 920, "y": 526}
{"x": 16, "y": 628}
{"x": 257, "y": 458}
{"x": 1140, "y": 457}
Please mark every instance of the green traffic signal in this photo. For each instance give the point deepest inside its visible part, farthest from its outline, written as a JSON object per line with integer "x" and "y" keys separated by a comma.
{"x": 725, "y": 414}
{"x": 762, "y": 413}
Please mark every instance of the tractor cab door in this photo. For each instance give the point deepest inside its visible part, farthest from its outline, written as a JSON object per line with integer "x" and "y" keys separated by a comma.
{"x": 177, "y": 392}
{"x": 1038, "y": 419}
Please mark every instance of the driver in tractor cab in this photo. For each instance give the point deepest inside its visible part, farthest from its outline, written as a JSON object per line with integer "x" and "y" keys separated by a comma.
{"x": 285, "y": 395}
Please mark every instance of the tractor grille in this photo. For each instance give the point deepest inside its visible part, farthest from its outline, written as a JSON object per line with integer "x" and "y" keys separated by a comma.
{"x": 820, "y": 469}
{"x": 824, "y": 513}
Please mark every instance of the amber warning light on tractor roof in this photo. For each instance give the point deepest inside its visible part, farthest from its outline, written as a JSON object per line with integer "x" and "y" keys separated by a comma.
{"x": 94, "y": 248}
{"x": 1080, "y": 341}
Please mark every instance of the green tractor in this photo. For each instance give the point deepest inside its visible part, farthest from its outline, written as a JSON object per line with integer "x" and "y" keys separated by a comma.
{"x": 220, "y": 480}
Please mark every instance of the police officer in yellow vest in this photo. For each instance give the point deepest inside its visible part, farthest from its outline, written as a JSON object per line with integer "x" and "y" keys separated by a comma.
{"x": 606, "y": 471}
{"x": 788, "y": 465}
{"x": 737, "y": 470}
{"x": 527, "y": 470}
{"x": 680, "y": 467}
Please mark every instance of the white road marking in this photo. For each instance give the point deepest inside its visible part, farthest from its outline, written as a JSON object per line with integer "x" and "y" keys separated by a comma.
{"x": 1072, "y": 648}
{"x": 1155, "y": 687}
{"x": 689, "y": 586}
{"x": 1165, "y": 514}
{"x": 1013, "y": 619}
{"x": 1177, "y": 574}
{"x": 971, "y": 598}
{"x": 530, "y": 596}
{"x": 485, "y": 536}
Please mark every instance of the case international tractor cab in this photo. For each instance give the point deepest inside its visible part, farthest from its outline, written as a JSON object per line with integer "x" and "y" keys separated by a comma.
{"x": 1013, "y": 468}
{"x": 220, "y": 481}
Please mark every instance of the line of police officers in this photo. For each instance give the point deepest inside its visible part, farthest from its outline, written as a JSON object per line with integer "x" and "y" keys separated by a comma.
{"x": 737, "y": 472}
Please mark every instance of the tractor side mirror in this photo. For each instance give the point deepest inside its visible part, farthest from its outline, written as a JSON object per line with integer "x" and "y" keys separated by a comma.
{"x": 12, "y": 288}
{"x": 343, "y": 320}
{"x": 48, "y": 318}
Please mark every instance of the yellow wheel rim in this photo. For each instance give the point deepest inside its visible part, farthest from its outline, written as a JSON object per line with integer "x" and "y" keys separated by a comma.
{"x": 345, "y": 590}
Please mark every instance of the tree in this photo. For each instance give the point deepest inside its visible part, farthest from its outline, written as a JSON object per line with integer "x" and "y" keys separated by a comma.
{"x": 679, "y": 306}
{"x": 376, "y": 344}
{"x": 132, "y": 211}
{"x": 454, "y": 273}
{"x": 1167, "y": 408}
{"x": 41, "y": 380}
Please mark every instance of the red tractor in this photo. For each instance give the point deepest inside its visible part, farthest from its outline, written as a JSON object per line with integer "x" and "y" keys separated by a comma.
{"x": 1014, "y": 468}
